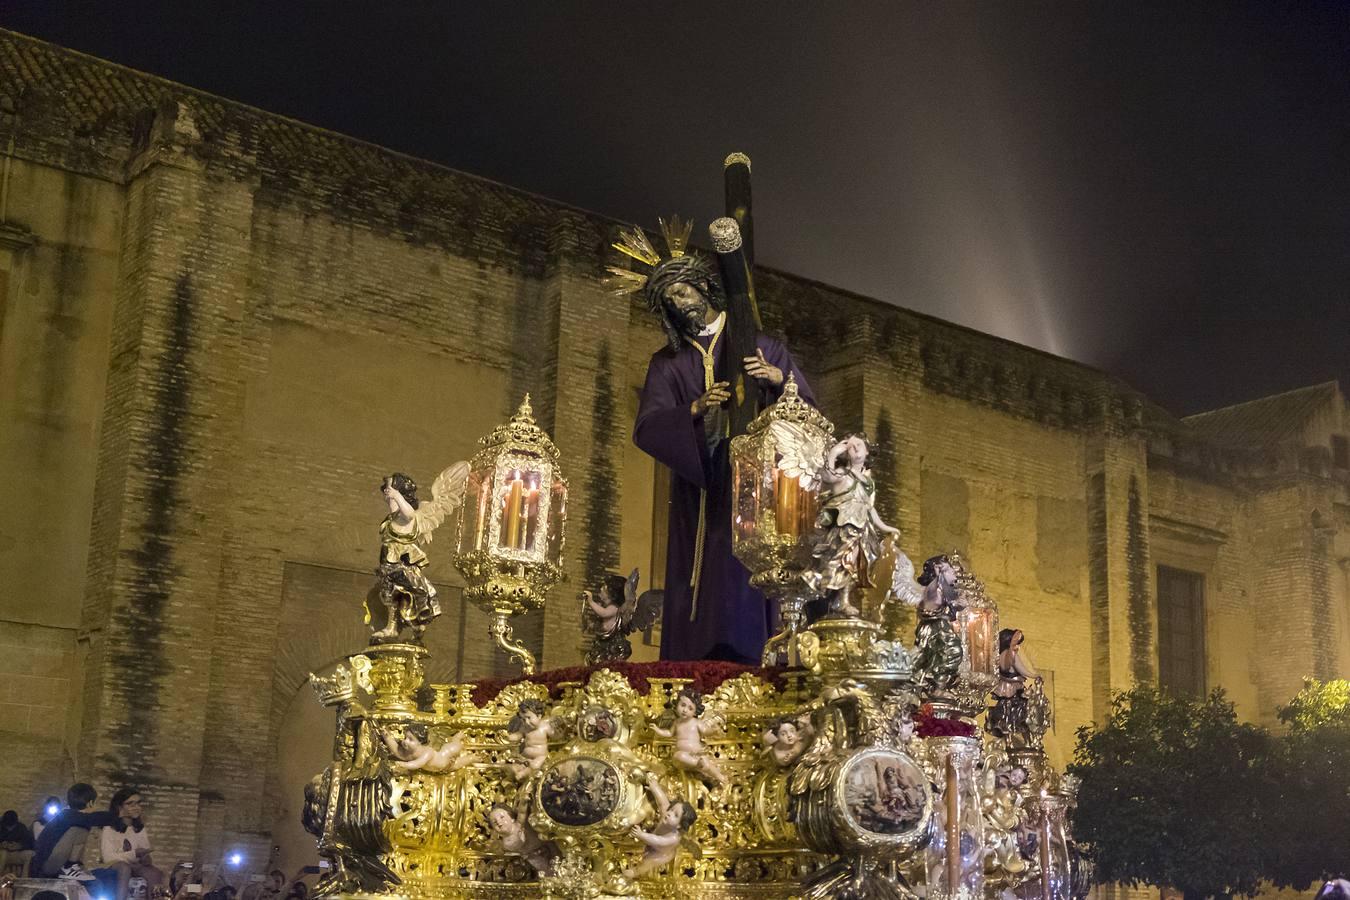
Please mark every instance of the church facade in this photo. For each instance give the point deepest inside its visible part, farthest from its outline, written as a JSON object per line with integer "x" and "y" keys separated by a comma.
{"x": 219, "y": 328}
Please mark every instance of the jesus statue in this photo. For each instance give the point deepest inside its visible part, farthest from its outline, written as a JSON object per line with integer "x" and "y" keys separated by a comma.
{"x": 711, "y": 612}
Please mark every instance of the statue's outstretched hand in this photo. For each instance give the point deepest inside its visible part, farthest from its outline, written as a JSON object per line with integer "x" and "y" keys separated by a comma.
{"x": 760, "y": 368}
{"x": 716, "y": 395}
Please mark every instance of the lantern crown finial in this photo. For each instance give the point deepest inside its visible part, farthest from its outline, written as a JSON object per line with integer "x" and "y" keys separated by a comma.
{"x": 525, "y": 414}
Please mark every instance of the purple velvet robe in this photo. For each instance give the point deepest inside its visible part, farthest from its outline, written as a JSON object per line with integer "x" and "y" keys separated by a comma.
{"x": 733, "y": 619}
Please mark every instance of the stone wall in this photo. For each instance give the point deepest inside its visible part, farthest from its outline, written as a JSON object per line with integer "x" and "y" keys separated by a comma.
{"x": 219, "y": 329}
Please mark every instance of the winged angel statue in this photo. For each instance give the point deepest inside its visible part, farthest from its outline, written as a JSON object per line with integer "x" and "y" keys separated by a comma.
{"x": 853, "y": 531}
{"x": 402, "y": 597}
{"x": 610, "y": 615}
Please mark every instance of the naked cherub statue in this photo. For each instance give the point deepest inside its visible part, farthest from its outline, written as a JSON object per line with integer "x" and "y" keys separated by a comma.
{"x": 688, "y": 730}
{"x": 519, "y": 838}
{"x": 402, "y": 596}
{"x": 614, "y": 612}
{"x": 535, "y": 728}
{"x": 673, "y": 820}
{"x": 847, "y": 553}
{"x": 787, "y": 740}
{"x": 410, "y": 754}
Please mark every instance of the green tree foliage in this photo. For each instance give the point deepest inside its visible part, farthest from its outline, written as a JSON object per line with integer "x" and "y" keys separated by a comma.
{"x": 1173, "y": 793}
{"x": 1311, "y": 812}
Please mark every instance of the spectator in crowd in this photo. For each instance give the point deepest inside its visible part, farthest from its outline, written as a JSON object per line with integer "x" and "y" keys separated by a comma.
{"x": 1336, "y": 889}
{"x": 269, "y": 888}
{"x": 125, "y": 844}
{"x": 16, "y": 841}
{"x": 299, "y": 891}
{"x": 50, "y": 807}
{"x": 60, "y": 847}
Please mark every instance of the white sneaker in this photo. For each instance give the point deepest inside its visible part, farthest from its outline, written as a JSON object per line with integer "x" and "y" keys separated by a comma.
{"x": 76, "y": 872}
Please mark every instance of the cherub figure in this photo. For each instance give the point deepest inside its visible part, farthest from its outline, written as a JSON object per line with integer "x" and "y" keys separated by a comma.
{"x": 673, "y": 819}
{"x": 787, "y": 739}
{"x": 410, "y": 754}
{"x": 535, "y": 728}
{"x": 1018, "y": 715}
{"x": 937, "y": 645}
{"x": 688, "y": 730}
{"x": 847, "y": 553}
{"x": 613, "y": 613}
{"x": 402, "y": 596}
{"x": 1002, "y": 809}
{"x": 519, "y": 838}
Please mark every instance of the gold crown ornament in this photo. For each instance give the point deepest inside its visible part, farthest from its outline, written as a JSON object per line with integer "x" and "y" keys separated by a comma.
{"x": 634, "y": 244}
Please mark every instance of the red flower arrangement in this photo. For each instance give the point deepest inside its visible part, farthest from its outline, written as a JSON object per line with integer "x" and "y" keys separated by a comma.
{"x": 704, "y": 675}
{"x": 927, "y": 725}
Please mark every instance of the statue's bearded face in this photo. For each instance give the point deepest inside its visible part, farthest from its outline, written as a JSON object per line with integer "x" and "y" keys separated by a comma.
{"x": 688, "y": 307}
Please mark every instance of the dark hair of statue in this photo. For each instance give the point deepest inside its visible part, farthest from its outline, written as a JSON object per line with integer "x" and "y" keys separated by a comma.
{"x": 617, "y": 588}
{"x": 930, "y": 568}
{"x": 1005, "y": 638}
{"x": 405, "y": 486}
{"x": 688, "y": 815}
{"x": 689, "y": 269}
{"x": 115, "y": 807}
{"x": 694, "y": 697}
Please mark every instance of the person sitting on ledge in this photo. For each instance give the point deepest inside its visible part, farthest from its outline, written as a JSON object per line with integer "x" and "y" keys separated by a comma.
{"x": 16, "y": 841}
{"x": 125, "y": 844}
{"x": 60, "y": 847}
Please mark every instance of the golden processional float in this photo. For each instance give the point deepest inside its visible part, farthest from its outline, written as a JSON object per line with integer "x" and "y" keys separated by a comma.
{"x": 850, "y": 766}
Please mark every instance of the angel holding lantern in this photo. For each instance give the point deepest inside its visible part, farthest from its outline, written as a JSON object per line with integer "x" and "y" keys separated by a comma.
{"x": 853, "y": 530}
{"x": 402, "y": 596}
{"x": 614, "y": 612}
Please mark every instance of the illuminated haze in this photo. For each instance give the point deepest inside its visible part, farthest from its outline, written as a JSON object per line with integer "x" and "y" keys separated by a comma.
{"x": 1161, "y": 191}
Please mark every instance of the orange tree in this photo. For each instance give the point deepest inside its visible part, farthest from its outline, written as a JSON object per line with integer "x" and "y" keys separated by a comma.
{"x": 1174, "y": 793}
{"x": 1311, "y": 815}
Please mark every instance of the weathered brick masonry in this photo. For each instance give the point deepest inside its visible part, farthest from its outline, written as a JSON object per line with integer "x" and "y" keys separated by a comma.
{"x": 220, "y": 327}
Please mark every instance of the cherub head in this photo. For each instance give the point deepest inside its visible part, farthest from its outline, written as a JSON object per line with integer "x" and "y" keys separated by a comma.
{"x": 786, "y": 732}
{"x": 405, "y": 486}
{"x": 688, "y": 703}
{"x": 939, "y": 572}
{"x": 531, "y": 713}
{"x": 679, "y": 815}
{"x": 613, "y": 590}
{"x": 502, "y": 819}
{"x": 857, "y": 450}
{"x": 412, "y": 741}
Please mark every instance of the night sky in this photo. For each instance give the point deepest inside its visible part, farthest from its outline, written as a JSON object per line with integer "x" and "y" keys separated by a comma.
{"x": 1161, "y": 191}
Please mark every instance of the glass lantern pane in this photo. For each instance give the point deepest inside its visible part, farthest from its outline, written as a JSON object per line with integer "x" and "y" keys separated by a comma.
{"x": 745, "y": 503}
{"x": 477, "y": 512}
{"x": 980, "y": 640}
{"x": 557, "y": 516}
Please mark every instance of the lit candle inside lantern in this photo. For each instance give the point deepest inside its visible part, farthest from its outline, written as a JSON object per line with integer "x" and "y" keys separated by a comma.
{"x": 951, "y": 797}
{"x": 785, "y": 503}
{"x": 806, "y": 511}
{"x": 513, "y": 514}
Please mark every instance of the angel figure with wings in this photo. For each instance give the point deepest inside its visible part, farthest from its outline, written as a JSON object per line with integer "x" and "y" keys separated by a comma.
{"x": 402, "y": 596}
{"x": 846, "y": 555}
{"x": 409, "y": 753}
{"x": 610, "y": 615}
{"x": 674, "y": 818}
